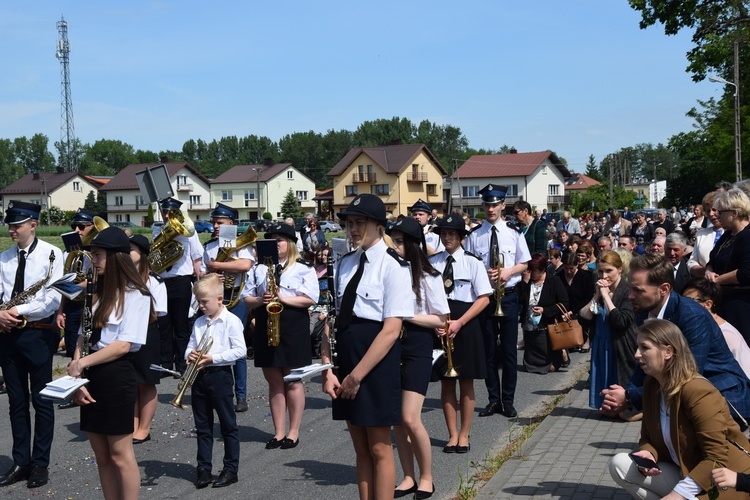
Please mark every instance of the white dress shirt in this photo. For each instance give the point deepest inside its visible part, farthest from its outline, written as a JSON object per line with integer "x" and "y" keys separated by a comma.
{"x": 212, "y": 250}
{"x": 511, "y": 242}
{"x": 131, "y": 326}
{"x": 433, "y": 240}
{"x": 228, "y": 339}
{"x": 469, "y": 276}
{"x": 704, "y": 243}
{"x": 297, "y": 279}
{"x": 45, "y": 302}
{"x": 192, "y": 250}
{"x": 432, "y": 295}
{"x": 159, "y": 294}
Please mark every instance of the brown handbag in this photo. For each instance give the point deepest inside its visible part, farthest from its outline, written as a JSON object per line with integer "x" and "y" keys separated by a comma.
{"x": 564, "y": 334}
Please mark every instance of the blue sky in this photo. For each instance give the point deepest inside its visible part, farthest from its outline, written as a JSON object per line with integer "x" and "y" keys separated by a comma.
{"x": 577, "y": 77}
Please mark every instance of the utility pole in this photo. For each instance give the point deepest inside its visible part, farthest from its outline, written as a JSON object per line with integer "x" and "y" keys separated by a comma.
{"x": 737, "y": 127}
{"x": 611, "y": 191}
{"x": 68, "y": 158}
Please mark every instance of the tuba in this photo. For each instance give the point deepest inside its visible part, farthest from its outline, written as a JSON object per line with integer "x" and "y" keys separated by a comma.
{"x": 274, "y": 307}
{"x": 191, "y": 372}
{"x": 231, "y": 289}
{"x": 78, "y": 260}
{"x": 165, "y": 251}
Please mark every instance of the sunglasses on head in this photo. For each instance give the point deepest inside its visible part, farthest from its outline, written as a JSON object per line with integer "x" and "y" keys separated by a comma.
{"x": 78, "y": 225}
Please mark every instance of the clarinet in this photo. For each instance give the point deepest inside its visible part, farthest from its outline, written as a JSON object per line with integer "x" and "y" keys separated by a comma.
{"x": 87, "y": 320}
{"x": 331, "y": 317}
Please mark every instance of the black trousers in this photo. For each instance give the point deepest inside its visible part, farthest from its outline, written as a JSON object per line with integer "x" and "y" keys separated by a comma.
{"x": 26, "y": 360}
{"x": 174, "y": 340}
{"x": 73, "y": 314}
{"x": 500, "y": 347}
{"x": 213, "y": 390}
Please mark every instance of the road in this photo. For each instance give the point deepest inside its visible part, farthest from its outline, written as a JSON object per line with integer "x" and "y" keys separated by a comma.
{"x": 322, "y": 466}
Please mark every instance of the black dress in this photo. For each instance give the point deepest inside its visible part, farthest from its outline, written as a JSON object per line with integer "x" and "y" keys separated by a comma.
{"x": 293, "y": 350}
{"x": 580, "y": 292}
{"x": 537, "y": 354}
{"x": 468, "y": 348}
{"x": 416, "y": 358}
{"x": 148, "y": 354}
{"x": 733, "y": 253}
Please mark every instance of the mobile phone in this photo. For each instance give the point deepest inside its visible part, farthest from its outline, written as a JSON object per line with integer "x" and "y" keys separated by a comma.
{"x": 643, "y": 463}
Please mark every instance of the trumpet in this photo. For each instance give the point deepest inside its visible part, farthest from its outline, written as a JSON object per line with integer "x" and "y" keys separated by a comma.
{"x": 499, "y": 260}
{"x": 447, "y": 344}
{"x": 191, "y": 372}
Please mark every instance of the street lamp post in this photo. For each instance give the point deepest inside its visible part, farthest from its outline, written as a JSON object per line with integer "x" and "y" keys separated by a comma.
{"x": 735, "y": 84}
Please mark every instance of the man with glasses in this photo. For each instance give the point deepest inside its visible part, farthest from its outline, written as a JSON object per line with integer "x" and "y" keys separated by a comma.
{"x": 533, "y": 229}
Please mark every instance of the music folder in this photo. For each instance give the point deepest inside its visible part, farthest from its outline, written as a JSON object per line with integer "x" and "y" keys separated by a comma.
{"x": 63, "y": 387}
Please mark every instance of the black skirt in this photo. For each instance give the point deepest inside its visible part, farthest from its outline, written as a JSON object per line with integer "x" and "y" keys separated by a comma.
{"x": 112, "y": 385}
{"x": 378, "y": 401}
{"x": 416, "y": 358}
{"x": 537, "y": 352}
{"x": 468, "y": 348}
{"x": 293, "y": 350}
{"x": 148, "y": 354}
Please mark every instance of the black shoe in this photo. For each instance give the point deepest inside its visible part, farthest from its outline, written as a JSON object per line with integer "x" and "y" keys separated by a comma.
{"x": 38, "y": 477}
{"x": 462, "y": 449}
{"x": 509, "y": 411}
{"x": 141, "y": 441}
{"x": 287, "y": 443}
{"x": 449, "y": 449}
{"x": 66, "y": 405}
{"x": 15, "y": 474}
{"x": 241, "y": 406}
{"x": 203, "y": 479}
{"x": 491, "y": 409}
{"x": 403, "y": 493}
{"x": 421, "y": 494}
{"x": 274, "y": 443}
{"x": 225, "y": 479}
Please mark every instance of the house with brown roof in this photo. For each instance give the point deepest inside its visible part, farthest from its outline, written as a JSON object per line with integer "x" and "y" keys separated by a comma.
{"x": 64, "y": 190}
{"x": 538, "y": 178}
{"x": 577, "y": 183}
{"x": 399, "y": 174}
{"x": 125, "y": 202}
{"x": 255, "y": 189}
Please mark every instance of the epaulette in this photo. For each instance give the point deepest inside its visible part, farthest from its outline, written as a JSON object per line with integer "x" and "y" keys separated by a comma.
{"x": 433, "y": 255}
{"x": 156, "y": 276}
{"x": 347, "y": 254}
{"x": 305, "y": 262}
{"x": 513, "y": 226}
{"x": 475, "y": 228}
{"x": 403, "y": 262}
{"x": 472, "y": 255}
{"x": 211, "y": 240}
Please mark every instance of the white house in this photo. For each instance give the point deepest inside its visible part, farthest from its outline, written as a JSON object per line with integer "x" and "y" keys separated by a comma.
{"x": 538, "y": 178}
{"x": 255, "y": 189}
{"x": 125, "y": 202}
{"x": 64, "y": 190}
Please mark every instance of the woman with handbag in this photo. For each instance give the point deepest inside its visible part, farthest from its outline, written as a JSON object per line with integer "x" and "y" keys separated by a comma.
{"x": 613, "y": 347}
{"x": 579, "y": 283}
{"x": 539, "y": 297}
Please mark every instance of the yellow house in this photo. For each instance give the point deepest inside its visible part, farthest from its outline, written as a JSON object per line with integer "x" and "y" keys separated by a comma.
{"x": 398, "y": 174}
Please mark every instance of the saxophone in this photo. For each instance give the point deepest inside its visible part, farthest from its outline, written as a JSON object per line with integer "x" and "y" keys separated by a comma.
{"x": 79, "y": 260}
{"x": 87, "y": 319}
{"x": 231, "y": 290}
{"x": 29, "y": 293}
{"x": 165, "y": 252}
{"x": 274, "y": 307}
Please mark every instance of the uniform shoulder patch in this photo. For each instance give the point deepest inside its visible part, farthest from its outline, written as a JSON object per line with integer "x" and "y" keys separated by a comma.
{"x": 403, "y": 262}
{"x": 156, "y": 276}
{"x": 472, "y": 255}
{"x": 211, "y": 240}
{"x": 429, "y": 257}
{"x": 478, "y": 226}
{"x": 305, "y": 262}
{"x": 513, "y": 227}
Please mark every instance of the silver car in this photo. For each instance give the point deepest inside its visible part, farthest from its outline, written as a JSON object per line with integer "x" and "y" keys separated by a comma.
{"x": 330, "y": 227}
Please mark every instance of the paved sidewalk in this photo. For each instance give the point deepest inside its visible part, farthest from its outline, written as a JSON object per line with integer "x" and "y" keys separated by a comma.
{"x": 566, "y": 456}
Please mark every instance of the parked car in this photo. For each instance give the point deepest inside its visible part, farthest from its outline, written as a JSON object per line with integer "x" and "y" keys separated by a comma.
{"x": 330, "y": 227}
{"x": 242, "y": 226}
{"x": 203, "y": 226}
{"x": 124, "y": 224}
{"x": 261, "y": 225}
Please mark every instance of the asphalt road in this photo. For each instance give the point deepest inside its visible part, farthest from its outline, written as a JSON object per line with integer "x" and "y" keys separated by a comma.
{"x": 322, "y": 466}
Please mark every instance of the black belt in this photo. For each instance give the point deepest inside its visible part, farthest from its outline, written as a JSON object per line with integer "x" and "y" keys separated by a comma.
{"x": 216, "y": 369}
{"x": 510, "y": 289}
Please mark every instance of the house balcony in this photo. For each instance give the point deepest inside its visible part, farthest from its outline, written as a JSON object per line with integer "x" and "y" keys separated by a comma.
{"x": 558, "y": 200}
{"x": 477, "y": 201}
{"x": 184, "y": 188}
{"x": 131, "y": 207}
{"x": 416, "y": 177}
{"x": 364, "y": 178}
{"x": 200, "y": 206}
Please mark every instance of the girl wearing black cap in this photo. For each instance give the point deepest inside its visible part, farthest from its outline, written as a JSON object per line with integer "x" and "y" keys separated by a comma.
{"x": 297, "y": 289}
{"x": 468, "y": 289}
{"x": 431, "y": 309}
{"x": 373, "y": 296}
{"x": 145, "y": 405}
{"x": 119, "y": 329}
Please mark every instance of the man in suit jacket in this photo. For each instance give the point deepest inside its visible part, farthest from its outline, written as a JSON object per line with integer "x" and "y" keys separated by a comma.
{"x": 651, "y": 282}
{"x": 663, "y": 221}
{"x": 617, "y": 225}
{"x": 674, "y": 250}
{"x": 571, "y": 225}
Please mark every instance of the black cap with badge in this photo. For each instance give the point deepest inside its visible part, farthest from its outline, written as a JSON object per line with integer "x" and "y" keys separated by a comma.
{"x": 21, "y": 211}
{"x": 492, "y": 193}
{"x": 366, "y": 205}
{"x": 112, "y": 238}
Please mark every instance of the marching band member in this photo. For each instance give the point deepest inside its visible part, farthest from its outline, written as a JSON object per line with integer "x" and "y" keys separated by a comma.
{"x": 179, "y": 278}
{"x": 297, "y": 289}
{"x": 212, "y": 388}
{"x": 374, "y": 295}
{"x": 422, "y": 212}
{"x": 146, "y": 402}
{"x": 119, "y": 328}
{"x": 26, "y": 353}
{"x": 496, "y": 233}
{"x": 468, "y": 289}
{"x": 431, "y": 309}
{"x": 224, "y": 215}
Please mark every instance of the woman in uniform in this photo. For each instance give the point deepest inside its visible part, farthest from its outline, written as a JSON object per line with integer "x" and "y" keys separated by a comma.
{"x": 431, "y": 309}
{"x": 145, "y": 405}
{"x": 374, "y": 295}
{"x": 297, "y": 289}
{"x": 119, "y": 328}
{"x": 468, "y": 289}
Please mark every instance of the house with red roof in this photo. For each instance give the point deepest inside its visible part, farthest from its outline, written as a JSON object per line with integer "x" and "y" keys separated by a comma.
{"x": 537, "y": 177}
{"x": 64, "y": 190}
{"x": 577, "y": 183}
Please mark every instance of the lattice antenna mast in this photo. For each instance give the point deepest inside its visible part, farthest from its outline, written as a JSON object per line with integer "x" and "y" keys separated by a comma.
{"x": 68, "y": 157}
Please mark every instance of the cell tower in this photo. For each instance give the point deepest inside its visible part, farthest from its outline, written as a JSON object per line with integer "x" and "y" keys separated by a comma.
{"x": 68, "y": 157}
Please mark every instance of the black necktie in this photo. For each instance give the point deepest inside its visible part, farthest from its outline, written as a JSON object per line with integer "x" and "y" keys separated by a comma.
{"x": 448, "y": 275}
{"x": 493, "y": 248}
{"x": 18, "y": 285}
{"x": 346, "y": 312}
{"x": 277, "y": 273}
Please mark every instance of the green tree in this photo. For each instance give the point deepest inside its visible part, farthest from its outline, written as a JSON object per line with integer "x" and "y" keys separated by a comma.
{"x": 599, "y": 195}
{"x": 10, "y": 169}
{"x": 592, "y": 169}
{"x": 290, "y": 205}
{"x": 33, "y": 154}
{"x": 113, "y": 155}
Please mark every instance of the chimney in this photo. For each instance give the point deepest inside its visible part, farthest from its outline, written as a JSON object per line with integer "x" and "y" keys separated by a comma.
{"x": 396, "y": 142}
{"x": 36, "y": 176}
{"x": 60, "y": 170}
{"x": 513, "y": 151}
{"x": 164, "y": 159}
{"x": 268, "y": 162}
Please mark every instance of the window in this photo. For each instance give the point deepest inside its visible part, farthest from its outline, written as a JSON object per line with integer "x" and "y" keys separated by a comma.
{"x": 77, "y": 186}
{"x": 351, "y": 191}
{"x": 139, "y": 200}
{"x": 379, "y": 189}
{"x": 249, "y": 194}
{"x": 182, "y": 180}
{"x": 470, "y": 191}
{"x": 118, "y": 201}
{"x": 512, "y": 190}
{"x": 432, "y": 189}
{"x": 36, "y": 202}
{"x": 226, "y": 196}
{"x": 127, "y": 217}
{"x": 195, "y": 199}
{"x": 301, "y": 195}
{"x": 544, "y": 170}
{"x": 118, "y": 218}
{"x": 553, "y": 190}
{"x": 290, "y": 174}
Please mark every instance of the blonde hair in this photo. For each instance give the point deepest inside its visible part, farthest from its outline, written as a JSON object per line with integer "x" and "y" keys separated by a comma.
{"x": 681, "y": 367}
{"x": 734, "y": 199}
{"x": 208, "y": 286}
{"x": 625, "y": 257}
